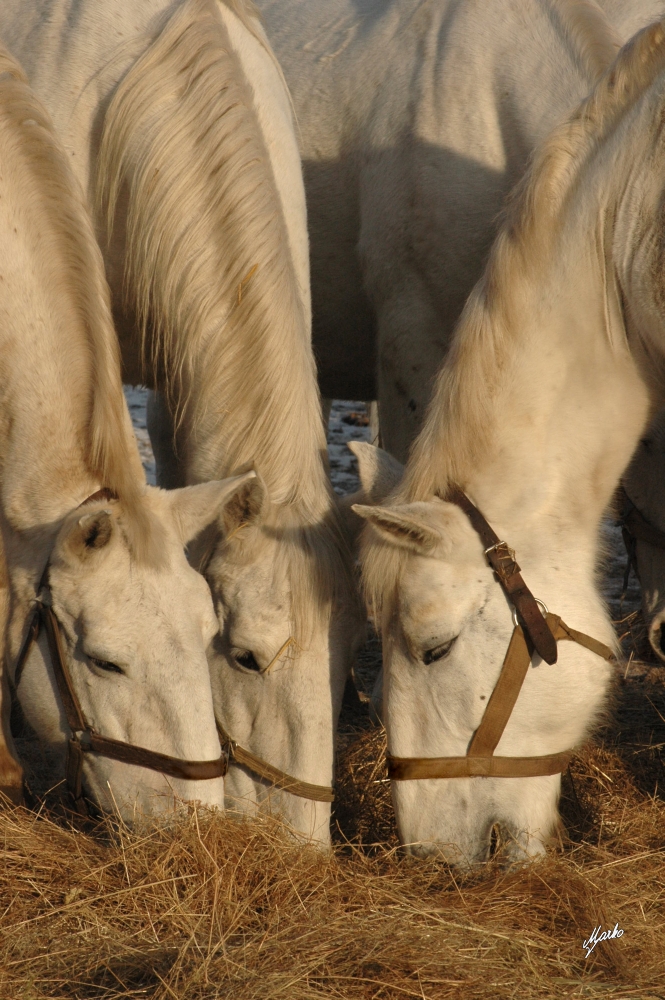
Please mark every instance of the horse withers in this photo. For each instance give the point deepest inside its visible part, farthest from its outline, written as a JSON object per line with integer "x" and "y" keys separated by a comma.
{"x": 105, "y": 625}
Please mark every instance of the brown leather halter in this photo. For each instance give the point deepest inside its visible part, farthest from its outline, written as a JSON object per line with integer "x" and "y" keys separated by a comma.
{"x": 262, "y": 769}
{"x": 535, "y": 633}
{"x": 83, "y": 737}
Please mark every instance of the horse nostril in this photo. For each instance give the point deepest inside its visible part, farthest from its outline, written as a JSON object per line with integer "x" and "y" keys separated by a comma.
{"x": 661, "y": 640}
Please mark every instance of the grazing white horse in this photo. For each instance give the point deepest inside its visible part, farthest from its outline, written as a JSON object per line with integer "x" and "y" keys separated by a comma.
{"x": 126, "y": 621}
{"x": 416, "y": 118}
{"x": 557, "y": 360}
{"x": 179, "y": 126}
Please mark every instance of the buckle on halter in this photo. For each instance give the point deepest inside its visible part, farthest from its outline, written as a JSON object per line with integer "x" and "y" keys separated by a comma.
{"x": 502, "y": 560}
{"x": 544, "y": 610}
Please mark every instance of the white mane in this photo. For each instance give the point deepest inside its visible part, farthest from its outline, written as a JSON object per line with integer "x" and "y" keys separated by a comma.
{"x": 208, "y": 273}
{"x": 111, "y": 452}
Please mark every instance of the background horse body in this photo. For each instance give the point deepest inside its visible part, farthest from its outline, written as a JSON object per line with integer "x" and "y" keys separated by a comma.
{"x": 179, "y": 125}
{"x": 555, "y": 365}
{"x": 416, "y": 119}
{"x": 134, "y": 619}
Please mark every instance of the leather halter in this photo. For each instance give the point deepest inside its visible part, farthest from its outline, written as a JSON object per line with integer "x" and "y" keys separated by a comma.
{"x": 83, "y": 737}
{"x": 262, "y": 769}
{"x": 535, "y": 633}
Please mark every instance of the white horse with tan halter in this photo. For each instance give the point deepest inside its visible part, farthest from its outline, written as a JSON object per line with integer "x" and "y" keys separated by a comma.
{"x": 179, "y": 126}
{"x": 554, "y": 367}
{"x": 105, "y": 625}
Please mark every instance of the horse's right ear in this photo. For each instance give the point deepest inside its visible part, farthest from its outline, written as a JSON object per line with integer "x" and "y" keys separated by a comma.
{"x": 89, "y": 533}
{"x": 379, "y": 472}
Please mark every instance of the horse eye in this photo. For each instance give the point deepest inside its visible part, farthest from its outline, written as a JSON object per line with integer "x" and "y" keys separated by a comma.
{"x": 439, "y": 652}
{"x": 246, "y": 659}
{"x": 110, "y": 668}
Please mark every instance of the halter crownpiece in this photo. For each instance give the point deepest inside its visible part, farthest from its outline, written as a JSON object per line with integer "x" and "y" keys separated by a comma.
{"x": 537, "y": 631}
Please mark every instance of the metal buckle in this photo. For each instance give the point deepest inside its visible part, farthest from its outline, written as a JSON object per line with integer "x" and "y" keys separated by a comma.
{"x": 544, "y": 610}
{"x": 497, "y": 545}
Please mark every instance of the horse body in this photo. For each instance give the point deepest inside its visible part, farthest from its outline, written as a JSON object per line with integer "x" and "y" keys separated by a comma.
{"x": 416, "y": 120}
{"x": 179, "y": 125}
{"x": 554, "y": 369}
{"x": 134, "y": 618}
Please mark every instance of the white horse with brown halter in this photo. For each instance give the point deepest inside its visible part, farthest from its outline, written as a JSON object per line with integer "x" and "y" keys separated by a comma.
{"x": 179, "y": 126}
{"x": 116, "y": 683}
{"x": 554, "y": 367}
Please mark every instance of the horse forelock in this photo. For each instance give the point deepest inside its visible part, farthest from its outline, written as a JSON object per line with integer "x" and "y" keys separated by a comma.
{"x": 458, "y": 428}
{"x": 208, "y": 271}
{"x": 313, "y": 557}
{"x": 77, "y": 274}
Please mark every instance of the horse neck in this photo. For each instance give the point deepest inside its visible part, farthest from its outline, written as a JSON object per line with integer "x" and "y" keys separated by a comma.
{"x": 46, "y": 372}
{"x": 571, "y": 402}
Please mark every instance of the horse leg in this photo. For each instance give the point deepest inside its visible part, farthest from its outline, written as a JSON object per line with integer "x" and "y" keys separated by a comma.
{"x": 409, "y": 355}
{"x": 159, "y": 420}
{"x": 11, "y": 772}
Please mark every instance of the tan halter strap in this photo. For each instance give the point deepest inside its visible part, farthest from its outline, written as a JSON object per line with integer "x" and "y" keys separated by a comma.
{"x": 502, "y": 560}
{"x": 83, "y": 737}
{"x": 479, "y": 760}
{"x": 262, "y": 769}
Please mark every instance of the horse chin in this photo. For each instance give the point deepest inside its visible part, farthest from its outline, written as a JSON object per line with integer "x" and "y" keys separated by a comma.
{"x": 156, "y": 799}
{"x": 467, "y": 827}
{"x": 302, "y": 819}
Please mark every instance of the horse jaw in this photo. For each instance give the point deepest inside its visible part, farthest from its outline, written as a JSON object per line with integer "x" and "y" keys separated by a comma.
{"x": 154, "y": 622}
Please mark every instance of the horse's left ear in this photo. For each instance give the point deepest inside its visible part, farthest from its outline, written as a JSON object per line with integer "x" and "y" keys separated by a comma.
{"x": 406, "y": 525}
{"x": 193, "y": 508}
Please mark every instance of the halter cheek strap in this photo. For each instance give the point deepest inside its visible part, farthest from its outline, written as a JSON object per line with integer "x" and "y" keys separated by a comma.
{"x": 527, "y": 637}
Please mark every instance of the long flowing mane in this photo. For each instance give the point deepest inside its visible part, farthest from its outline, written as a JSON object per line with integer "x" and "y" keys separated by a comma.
{"x": 210, "y": 279}
{"x": 457, "y": 433}
{"x": 208, "y": 273}
{"x": 111, "y": 453}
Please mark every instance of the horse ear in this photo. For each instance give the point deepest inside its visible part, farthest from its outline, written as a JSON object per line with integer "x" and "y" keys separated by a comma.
{"x": 247, "y": 505}
{"x": 405, "y": 525}
{"x": 193, "y": 508}
{"x": 379, "y": 472}
{"x": 89, "y": 533}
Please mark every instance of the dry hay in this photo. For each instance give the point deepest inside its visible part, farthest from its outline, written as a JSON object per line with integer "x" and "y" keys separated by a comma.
{"x": 216, "y": 908}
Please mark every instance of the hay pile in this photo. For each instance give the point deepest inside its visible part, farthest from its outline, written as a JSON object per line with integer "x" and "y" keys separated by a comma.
{"x": 215, "y": 908}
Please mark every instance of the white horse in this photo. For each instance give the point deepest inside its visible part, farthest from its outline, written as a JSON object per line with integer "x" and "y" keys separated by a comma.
{"x": 556, "y": 363}
{"x": 179, "y": 126}
{"x": 120, "y": 662}
{"x": 416, "y": 119}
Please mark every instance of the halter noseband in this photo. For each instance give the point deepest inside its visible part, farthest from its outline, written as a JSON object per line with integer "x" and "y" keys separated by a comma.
{"x": 83, "y": 737}
{"x": 538, "y": 633}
